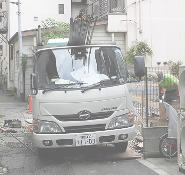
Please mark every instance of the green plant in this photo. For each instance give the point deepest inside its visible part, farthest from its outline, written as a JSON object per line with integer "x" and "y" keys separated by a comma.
{"x": 138, "y": 48}
{"x": 3, "y": 100}
{"x": 54, "y": 29}
{"x": 12, "y": 92}
{"x": 3, "y": 76}
{"x": 174, "y": 67}
{"x": 24, "y": 62}
{"x": 149, "y": 78}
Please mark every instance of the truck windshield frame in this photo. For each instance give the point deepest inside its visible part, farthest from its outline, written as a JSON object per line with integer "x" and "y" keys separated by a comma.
{"x": 80, "y": 67}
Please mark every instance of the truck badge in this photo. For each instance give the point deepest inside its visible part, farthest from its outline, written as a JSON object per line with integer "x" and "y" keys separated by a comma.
{"x": 84, "y": 115}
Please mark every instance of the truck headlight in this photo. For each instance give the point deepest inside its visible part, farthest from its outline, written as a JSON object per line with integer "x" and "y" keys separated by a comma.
{"x": 40, "y": 126}
{"x": 121, "y": 121}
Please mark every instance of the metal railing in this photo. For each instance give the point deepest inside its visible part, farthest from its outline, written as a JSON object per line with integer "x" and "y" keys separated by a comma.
{"x": 147, "y": 103}
{"x": 101, "y": 8}
{"x": 3, "y": 21}
{"x": 3, "y": 24}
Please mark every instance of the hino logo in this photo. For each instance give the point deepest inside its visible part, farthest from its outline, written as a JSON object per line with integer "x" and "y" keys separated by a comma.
{"x": 108, "y": 109}
{"x": 84, "y": 115}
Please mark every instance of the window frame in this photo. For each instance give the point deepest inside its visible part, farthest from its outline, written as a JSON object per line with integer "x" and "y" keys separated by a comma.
{"x": 60, "y": 10}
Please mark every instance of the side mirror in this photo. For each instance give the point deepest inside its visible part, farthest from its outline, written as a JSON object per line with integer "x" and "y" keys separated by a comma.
{"x": 139, "y": 66}
{"x": 34, "y": 84}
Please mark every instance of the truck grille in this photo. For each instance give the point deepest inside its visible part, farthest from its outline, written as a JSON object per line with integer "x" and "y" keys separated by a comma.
{"x": 75, "y": 117}
{"x": 85, "y": 128}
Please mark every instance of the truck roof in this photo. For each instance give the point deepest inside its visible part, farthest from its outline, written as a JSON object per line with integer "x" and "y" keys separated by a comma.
{"x": 49, "y": 47}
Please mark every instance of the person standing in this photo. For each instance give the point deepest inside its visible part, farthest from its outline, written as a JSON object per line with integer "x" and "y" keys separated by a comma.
{"x": 171, "y": 84}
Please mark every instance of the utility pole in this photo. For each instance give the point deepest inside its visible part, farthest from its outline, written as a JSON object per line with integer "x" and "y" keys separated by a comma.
{"x": 22, "y": 96}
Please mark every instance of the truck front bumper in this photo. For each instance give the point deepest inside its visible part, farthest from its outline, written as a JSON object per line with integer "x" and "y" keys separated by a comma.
{"x": 70, "y": 140}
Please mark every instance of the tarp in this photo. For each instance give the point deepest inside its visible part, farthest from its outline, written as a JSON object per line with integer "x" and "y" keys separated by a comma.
{"x": 172, "y": 116}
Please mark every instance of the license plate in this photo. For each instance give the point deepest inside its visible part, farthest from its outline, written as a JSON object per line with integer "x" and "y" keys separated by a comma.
{"x": 86, "y": 139}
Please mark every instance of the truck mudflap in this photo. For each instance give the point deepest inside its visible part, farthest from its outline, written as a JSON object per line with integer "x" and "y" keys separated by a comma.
{"x": 83, "y": 139}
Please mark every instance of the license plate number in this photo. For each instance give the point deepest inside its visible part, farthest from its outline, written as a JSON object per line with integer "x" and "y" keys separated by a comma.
{"x": 86, "y": 139}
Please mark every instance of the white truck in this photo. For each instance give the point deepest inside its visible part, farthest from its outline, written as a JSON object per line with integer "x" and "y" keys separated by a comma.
{"x": 81, "y": 95}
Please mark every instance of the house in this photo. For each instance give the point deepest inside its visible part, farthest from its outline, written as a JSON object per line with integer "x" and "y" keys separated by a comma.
{"x": 28, "y": 40}
{"x": 160, "y": 23}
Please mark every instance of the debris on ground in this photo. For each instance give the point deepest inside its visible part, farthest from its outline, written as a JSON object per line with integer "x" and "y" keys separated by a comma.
{"x": 137, "y": 143}
{"x": 8, "y": 130}
{"x": 12, "y": 123}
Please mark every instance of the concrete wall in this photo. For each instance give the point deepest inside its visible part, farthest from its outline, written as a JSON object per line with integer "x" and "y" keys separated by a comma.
{"x": 28, "y": 42}
{"x": 160, "y": 23}
{"x": 29, "y": 70}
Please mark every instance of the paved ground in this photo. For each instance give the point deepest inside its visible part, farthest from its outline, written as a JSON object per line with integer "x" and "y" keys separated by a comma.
{"x": 19, "y": 159}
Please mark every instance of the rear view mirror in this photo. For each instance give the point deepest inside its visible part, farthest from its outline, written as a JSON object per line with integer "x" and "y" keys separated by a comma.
{"x": 139, "y": 66}
{"x": 34, "y": 84}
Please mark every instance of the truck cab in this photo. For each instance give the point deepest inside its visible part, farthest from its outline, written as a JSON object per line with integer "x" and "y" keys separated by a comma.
{"x": 81, "y": 95}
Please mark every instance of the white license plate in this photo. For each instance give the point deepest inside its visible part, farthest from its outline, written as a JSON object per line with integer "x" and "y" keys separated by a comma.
{"x": 86, "y": 139}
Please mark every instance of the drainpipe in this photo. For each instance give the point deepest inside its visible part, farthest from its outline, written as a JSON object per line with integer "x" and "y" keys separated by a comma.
{"x": 138, "y": 20}
{"x": 140, "y": 30}
{"x": 38, "y": 36}
{"x": 112, "y": 37}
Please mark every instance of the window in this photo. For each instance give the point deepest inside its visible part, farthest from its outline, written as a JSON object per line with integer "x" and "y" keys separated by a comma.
{"x": 61, "y": 8}
{"x": 116, "y": 6}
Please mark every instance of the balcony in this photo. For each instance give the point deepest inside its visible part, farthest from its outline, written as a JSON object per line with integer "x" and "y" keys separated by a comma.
{"x": 3, "y": 26}
{"x": 3, "y": 18}
{"x": 102, "y": 8}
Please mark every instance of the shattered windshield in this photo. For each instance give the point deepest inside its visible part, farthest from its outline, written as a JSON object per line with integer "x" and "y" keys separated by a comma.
{"x": 79, "y": 67}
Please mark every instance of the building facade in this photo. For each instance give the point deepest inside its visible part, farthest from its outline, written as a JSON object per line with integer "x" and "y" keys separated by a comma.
{"x": 160, "y": 23}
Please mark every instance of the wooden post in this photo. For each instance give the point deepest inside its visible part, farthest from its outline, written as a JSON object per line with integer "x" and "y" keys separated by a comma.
{"x": 162, "y": 114}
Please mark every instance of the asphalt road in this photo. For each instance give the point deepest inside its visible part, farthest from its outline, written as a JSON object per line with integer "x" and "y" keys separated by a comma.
{"x": 70, "y": 161}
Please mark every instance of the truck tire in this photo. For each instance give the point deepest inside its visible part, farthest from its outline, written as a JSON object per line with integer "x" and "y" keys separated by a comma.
{"x": 121, "y": 147}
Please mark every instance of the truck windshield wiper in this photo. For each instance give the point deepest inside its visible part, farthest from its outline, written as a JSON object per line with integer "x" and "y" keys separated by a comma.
{"x": 102, "y": 82}
{"x": 50, "y": 89}
{"x": 61, "y": 87}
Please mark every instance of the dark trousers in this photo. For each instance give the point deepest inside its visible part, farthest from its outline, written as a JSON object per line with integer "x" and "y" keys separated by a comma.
{"x": 170, "y": 96}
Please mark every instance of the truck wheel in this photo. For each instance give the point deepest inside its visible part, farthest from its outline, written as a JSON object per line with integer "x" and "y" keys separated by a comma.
{"x": 121, "y": 147}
